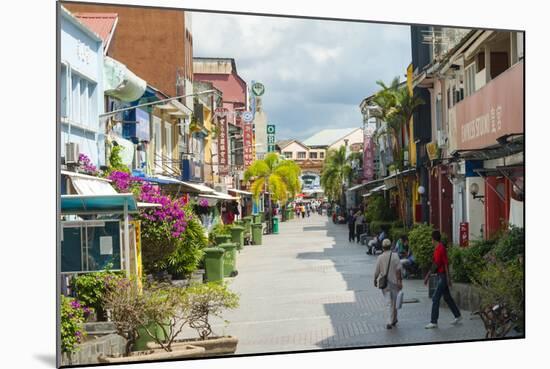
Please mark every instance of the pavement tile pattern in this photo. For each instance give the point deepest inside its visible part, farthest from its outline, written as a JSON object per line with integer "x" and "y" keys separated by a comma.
{"x": 308, "y": 288}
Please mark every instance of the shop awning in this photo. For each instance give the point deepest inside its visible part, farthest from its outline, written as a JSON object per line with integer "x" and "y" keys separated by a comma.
{"x": 508, "y": 145}
{"x": 376, "y": 189}
{"x": 89, "y": 185}
{"x": 406, "y": 172}
{"x": 241, "y": 192}
{"x": 188, "y": 186}
{"x": 218, "y": 196}
{"x": 95, "y": 204}
{"x": 121, "y": 82}
{"x": 357, "y": 187}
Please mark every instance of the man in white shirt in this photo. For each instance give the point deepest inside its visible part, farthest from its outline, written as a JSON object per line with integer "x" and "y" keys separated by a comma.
{"x": 388, "y": 264}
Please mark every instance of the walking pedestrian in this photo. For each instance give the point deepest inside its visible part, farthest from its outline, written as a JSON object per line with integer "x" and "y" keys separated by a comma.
{"x": 303, "y": 211}
{"x": 351, "y": 225}
{"x": 387, "y": 277}
{"x": 359, "y": 219}
{"x": 440, "y": 265}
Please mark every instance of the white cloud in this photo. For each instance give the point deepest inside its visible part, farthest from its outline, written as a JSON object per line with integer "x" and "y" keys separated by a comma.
{"x": 316, "y": 72}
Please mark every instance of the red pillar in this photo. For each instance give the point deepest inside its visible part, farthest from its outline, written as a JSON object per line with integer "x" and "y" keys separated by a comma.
{"x": 492, "y": 207}
{"x": 445, "y": 203}
{"x": 434, "y": 198}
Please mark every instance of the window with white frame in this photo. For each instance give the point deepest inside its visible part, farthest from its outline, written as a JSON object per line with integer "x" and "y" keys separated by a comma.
{"x": 321, "y": 155}
{"x": 63, "y": 88}
{"x": 168, "y": 140}
{"x": 313, "y": 155}
{"x": 301, "y": 154}
{"x": 83, "y": 100}
{"x": 288, "y": 154}
{"x": 470, "y": 79}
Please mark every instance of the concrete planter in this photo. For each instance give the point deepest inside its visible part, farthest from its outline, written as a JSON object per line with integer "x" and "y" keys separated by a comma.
{"x": 181, "y": 352}
{"x": 466, "y": 296}
{"x": 213, "y": 346}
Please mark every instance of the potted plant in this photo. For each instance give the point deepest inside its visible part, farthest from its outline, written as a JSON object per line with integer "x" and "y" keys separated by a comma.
{"x": 205, "y": 301}
{"x": 134, "y": 312}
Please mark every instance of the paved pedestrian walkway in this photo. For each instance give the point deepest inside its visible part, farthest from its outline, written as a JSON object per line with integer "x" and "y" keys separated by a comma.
{"x": 309, "y": 288}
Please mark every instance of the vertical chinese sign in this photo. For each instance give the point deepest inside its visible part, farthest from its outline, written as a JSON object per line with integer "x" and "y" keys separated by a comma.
{"x": 368, "y": 156}
{"x": 248, "y": 143}
{"x": 223, "y": 145}
{"x": 464, "y": 234}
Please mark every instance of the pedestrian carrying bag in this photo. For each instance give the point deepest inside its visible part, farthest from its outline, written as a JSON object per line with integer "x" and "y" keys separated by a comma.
{"x": 383, "y": 280}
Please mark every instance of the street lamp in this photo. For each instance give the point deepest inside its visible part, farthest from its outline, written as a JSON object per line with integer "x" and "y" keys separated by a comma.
{"x": 474, "y": 190}
{"x": 421, "y": 190}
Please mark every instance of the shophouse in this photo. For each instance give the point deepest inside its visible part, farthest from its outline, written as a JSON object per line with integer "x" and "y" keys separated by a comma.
{"x": 222, "y": 74}
{"x": 475, "y": 87}
{"x": 81, "y": 89}
{"x": 168, "y": 72}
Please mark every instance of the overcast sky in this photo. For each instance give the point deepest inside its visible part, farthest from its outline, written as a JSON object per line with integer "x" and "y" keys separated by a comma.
{"x": 315, "y": 72}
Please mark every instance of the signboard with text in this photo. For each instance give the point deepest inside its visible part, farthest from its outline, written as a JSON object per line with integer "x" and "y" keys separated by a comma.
{"x": 464, "y": 234}
{"x": 368, "y": 156}
{"x": 248, "y": 142}
{"x": 223, "y": 148}
{"x": 491, "y": 112}
{"x": 271, "y": 138}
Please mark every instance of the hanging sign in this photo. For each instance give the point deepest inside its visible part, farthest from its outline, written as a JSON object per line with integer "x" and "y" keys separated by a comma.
{"x": 258, "y": 89}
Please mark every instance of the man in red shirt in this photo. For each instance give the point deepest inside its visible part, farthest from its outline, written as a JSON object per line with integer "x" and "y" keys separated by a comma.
{"x": 440, "y": 265}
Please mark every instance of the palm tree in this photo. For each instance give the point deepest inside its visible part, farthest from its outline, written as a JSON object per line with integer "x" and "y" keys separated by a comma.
{"x": 337, "y": 171}
{"x": 396, "y": 107}
{"x": 274, "y": 175}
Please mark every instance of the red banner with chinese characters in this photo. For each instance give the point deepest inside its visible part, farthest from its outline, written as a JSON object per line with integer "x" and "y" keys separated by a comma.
{"x": 368, "y": 156}
{"x": 464, "y": 234}
{"x": 247, "y": 143}
{"x": 223, "y": 147}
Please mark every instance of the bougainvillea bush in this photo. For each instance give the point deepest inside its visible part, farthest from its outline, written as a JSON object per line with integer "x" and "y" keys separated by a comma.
{"x": 172, "y": 237}
{"x": 73, "y": 315}
{"x": 86, "y": 165}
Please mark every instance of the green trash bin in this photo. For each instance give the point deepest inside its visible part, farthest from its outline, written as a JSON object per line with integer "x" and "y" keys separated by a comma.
{"x": 247, "y": 221}
{"x": 144, "y": 338}
{"x": 256, "y": 218}
{"x": 237, "y": 236}
{"x": 213, "y": 263}
{"x": 229, "y": 259}
{"x": 275, "y": 225}
{"x": 257, "y": 233}
{"x": 222, "y": 238}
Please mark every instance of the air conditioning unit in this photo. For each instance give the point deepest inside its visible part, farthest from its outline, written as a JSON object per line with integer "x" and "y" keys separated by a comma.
{"x": 441, "y": 139}
{"x": 71, "y": 153}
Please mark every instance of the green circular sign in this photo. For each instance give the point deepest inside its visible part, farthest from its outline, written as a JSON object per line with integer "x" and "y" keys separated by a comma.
{"x": 258, "y": 89}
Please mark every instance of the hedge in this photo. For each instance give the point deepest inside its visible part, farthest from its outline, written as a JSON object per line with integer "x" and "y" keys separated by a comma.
{"x": 375, "y": 227}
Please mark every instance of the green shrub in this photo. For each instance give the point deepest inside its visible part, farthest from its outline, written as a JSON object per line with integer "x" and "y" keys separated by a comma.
{"x": 72, "y": 319}
{"x": 375, "y": 227}
{"x": 188, "y": 252}
{"x": 207, "y": 301}
{"x": 377, "y": 209}
{"x": 397, "y": 224}
{"x": 395, "y": 233}
{"x": 90, "y": 289}
{"x": 420, "y": 242}
{"x": 502, "y": 283}
{"x": 466, "y": 263}
{"x": 510, "y": 245}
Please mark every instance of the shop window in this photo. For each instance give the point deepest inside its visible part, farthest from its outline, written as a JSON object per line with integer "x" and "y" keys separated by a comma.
{"x": 63, "y": 92}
